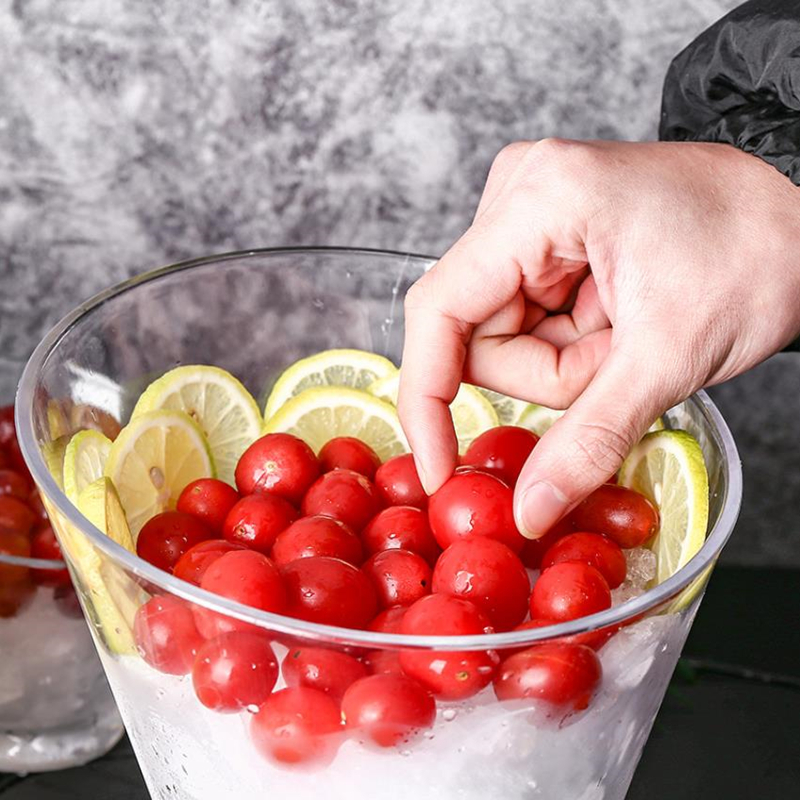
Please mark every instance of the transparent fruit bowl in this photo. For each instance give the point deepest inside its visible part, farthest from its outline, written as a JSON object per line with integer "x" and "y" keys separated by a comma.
{"x": 56, "y": 710}
{"x": 253, "y": 313}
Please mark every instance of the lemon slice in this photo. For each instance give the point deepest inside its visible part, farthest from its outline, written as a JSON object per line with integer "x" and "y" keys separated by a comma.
{"x": 668, "y": 468}
{"x": 218, "y": 402}
{"x": 471, "y": 411}
{"x": 354, "y": 369}
{"x": 508, "y": 409}
{"x": 53, "y": 455}
{"x": 318, "y": 415}
{"x": 84, "y": 461}
{"x": 153, "y": 459}
{"x": 540, "y": 419}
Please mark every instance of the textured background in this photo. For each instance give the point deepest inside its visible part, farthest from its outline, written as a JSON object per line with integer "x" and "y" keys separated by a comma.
{"x": 135, "y": 134}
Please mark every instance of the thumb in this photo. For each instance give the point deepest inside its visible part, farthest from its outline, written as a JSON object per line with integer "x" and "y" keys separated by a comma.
{"x": 587, "y": 445}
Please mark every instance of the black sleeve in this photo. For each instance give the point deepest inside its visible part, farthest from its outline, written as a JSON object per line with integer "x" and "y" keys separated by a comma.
{"x": 739, "y": 83}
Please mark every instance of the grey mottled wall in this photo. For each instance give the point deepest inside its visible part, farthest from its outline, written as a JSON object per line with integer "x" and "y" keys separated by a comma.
{"x": 133, "y": 134}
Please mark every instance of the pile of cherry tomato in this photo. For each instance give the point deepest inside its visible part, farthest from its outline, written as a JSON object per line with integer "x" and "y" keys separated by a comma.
{"x": 344, "y": 540}
{"x": 25, "y": 532}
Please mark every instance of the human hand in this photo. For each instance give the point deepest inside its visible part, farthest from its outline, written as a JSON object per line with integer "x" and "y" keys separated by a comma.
{"x": 612, "y": 278}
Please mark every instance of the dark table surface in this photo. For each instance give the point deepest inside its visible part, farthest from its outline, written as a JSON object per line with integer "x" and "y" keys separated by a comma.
{"x": 729, "y": 728}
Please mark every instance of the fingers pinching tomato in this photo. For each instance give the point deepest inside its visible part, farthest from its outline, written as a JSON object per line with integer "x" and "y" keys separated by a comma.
{"x": 279, "y": 464}
{"x": 400, "y": 577}
{"x": 345, "y": 495}
{"x": 317, "y": 536}
{"x": 501, "y": 451}
{"x": 473, "y": 504}
{"x": 569, "y": 590}
{"x": 328, "y": 671}
{"x": 398, "y": 483}
{"x": 490, "y": 575}
{"x": 388, "y": 709}
{"x": 598, "y": 551}
{"x": 297, "y": 725}
{"x": 402, "y": 528}
{"x": 234, "y": 671}
{"x": 625, "y": 516}
{"x": 346, "y": 452}
{"x": 167, "y": 536}
{"x": 210, "y": 500}
{"x": 256, "y": 520}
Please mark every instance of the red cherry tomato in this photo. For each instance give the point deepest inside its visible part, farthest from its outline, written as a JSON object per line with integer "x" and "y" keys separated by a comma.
{"x": 401, "y": 528}
{"x": 383, "y": 662}
{"x": 256, "y": 520}
{"x": 234, "y": 671}
{"x": 14, "y": 484}
{"x": 490, "y": 575}
{"x": 4, "y": 462}
{"x": 400, "y": 577}
{"x": 280, "y": 464}
{"x": 329, "y": 671}
{"x": 192, "y": 565}
{"x": 473, "y": 504}
{"x": 594, "y": 639}
{"x": 623, "y": 515}
{"x": 297, "y": 726}
{"x": 568, "y": 591}
{"x": 209, "y": 500}
{"x": 166, "y": 636}
{"x": 564, "y": 675}
{"x": 15, "y": 515}
{"x": 8, "y": 433}
{"x": 449, "y": 675}
{"x": 345, "y": 495}
{"x": 502, "y": 451}
{"x": 534, "y": 549}
{"x": 390, "y": 620}
{"x": 398, "y": 483}
{"x": 246, "y": 577}
{"x": 37, "y": 506}
{"x": 329, "y": 591}
{"x": 167, "y": 536}
{"x": 594, "y": 549}
{"x": 44, "y": 545}
{"x": 14, "y": 543}
{"x": 388, "y": 709}
{"x": 345, "y": 452}
{"x": 317, "y": 536}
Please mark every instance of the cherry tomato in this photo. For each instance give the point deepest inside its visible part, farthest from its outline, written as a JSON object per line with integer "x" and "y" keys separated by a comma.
{"x": 594, "y": 549}
{"x": 388, "y": 709}
{"x": 209, "y": 500}
{"x": 400, "y": 577}
{"x": 489, "y": 574}
{"x": 594, "y": 639}
{"x": 534, "y": 549}
{"x": 14, "y": 543}
{"x": 37, "y": 506}
{"x": 246, "y": 577}
{"x": 166, "y": 636}
{"x": 390, "y": 620}
{"x": 167, "y": 536}
{"x": 623, "y": 515}
{"x": 329, "y": 591}
{"x": 564, "y": 675}
{"x": 8, "y": 433}
{"x": 280, "y": 464}
{"x": 398, "y": 483}
{"x": 4, "y": 461}
{"x": 14, "y": 484}
{"x": 317, "y": 536}
{"x": 256, "y": 520}
{"x": 235, "y": 670}
{"x": 15, "y": 595}
{"x": 15, "y": 514}
{"x": 192, "y": 565}
{"x": 345, "y": 452}
{"x": 345, "y": 495}
{"x": 401, "y": 528}
{"x": 383, "y": 662}
{"x": 474, "y": 504}
{"x": 568, "y": 591}
{"x": 297, "y": 726}
{"x": 329, "y": 671}
{"x": 449, "y": 675}
{"x": 44, "y": 545}
{"x": 502, "y": 451}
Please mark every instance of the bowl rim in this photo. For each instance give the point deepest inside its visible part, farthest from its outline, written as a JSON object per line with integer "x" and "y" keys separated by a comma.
{"x": 148, "y": 574}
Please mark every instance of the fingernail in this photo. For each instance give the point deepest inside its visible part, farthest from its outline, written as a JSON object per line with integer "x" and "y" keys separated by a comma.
{"x": 423, "y": 478}
{"x": 538, "y": 508}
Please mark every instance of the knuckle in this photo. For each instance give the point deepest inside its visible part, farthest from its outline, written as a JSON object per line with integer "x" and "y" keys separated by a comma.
{"x": 509, "y": 156}
{"x": 419, "y": 295}
{"x": 601, "y": 447}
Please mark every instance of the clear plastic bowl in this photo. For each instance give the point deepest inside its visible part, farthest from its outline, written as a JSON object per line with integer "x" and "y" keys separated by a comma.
{"x": 253, "y": 313}
{"x": 56, "y": 710}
